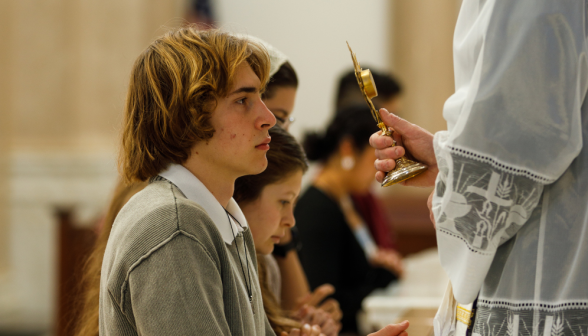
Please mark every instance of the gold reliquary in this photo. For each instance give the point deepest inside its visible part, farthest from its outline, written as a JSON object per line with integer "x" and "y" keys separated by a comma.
{"x": 405, "y": 168}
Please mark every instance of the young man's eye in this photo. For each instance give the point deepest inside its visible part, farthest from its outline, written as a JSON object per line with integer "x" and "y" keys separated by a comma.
{"x": 284, "y": 202}
{"x": 241, "y": 101}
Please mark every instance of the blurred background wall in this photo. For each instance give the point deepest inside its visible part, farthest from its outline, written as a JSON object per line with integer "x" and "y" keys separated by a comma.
{"x": 313, "y": 34}
{"x": 64, "y": 67}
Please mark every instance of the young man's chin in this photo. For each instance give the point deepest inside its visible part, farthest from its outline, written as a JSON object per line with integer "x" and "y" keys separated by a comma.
{"x": 255, "y": 168}
{"x": 262, "y": 166}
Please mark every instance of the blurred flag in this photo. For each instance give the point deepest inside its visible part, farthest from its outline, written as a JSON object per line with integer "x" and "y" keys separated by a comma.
{"x": 201, "y": 12}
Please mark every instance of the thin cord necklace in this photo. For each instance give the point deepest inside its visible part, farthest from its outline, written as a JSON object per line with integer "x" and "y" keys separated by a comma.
{"x": 248, "y": 284}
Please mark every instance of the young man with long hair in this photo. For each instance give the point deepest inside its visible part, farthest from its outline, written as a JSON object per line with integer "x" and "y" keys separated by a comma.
{"x": 180, "y": 259}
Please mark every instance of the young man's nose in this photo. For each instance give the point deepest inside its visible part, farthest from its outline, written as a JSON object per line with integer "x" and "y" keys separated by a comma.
{"x": 266, "y": 118}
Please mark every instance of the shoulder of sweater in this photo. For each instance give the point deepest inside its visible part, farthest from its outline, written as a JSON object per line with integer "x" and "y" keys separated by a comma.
{"x": 161, "y": 209}
{"x": 152, "y": 218}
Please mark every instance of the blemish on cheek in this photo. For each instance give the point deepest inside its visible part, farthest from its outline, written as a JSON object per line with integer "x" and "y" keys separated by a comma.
{"x": 233, "y": 136}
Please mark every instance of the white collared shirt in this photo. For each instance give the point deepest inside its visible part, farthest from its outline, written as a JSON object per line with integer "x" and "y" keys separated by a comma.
{"x": 196, "y": 191}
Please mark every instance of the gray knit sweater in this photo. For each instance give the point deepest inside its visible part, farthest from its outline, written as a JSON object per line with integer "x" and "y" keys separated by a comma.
{"x": 167, "y": 271}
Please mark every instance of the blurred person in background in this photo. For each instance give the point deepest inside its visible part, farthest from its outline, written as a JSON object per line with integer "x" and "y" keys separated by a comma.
{"x": 337, "y": 248}
{"x": 366, "y": 203}
{"x": 389, "y": 92}
{"x": 267, "y": 201}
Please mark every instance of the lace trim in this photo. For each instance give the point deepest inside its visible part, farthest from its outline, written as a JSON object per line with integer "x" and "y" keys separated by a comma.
{"x": 530, "y": 322}
{"x": 533, "y": 305}
{"x": 447, "y": 232}
{"x": 501, "y": 166}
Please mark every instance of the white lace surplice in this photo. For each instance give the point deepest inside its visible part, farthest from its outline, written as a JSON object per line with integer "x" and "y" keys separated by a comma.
{"x": 511, "y": 200}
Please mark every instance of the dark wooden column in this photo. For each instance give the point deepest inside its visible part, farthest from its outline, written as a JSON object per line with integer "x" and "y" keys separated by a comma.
{"x": 75, "y": 244}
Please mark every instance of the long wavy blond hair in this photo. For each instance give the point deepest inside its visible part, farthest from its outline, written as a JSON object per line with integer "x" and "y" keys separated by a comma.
{"x": 173, "y": 89}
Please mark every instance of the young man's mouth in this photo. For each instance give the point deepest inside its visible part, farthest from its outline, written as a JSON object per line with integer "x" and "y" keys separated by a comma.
{"x": 265, "y": 144}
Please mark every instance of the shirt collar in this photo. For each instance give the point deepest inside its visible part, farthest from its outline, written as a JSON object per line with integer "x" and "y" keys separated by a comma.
{"x": 196, "y": 191}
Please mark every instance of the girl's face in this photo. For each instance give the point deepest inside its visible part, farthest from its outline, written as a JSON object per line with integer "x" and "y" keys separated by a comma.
{"x": 272, "y": 213}
{"x": 282, "y": 104}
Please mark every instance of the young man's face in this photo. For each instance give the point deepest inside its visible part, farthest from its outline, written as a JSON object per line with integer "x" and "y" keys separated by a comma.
{"x": 241, "y": 122}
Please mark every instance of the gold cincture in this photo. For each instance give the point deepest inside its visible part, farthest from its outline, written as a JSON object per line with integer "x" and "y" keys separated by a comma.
{"x": 405, "y": 168}
{"x": 464, "y": 315}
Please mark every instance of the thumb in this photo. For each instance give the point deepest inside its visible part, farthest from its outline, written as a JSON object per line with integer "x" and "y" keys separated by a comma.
{"x": 392, "y": 329}
{"x": 392, "y": 120}
{"x": 320, "y": 294}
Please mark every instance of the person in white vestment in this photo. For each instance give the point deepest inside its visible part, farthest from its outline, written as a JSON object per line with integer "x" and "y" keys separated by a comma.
{"x": 511, "y": 172}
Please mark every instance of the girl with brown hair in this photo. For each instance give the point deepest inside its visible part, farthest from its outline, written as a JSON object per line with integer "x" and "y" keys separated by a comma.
{"x": 267, "y": 200}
